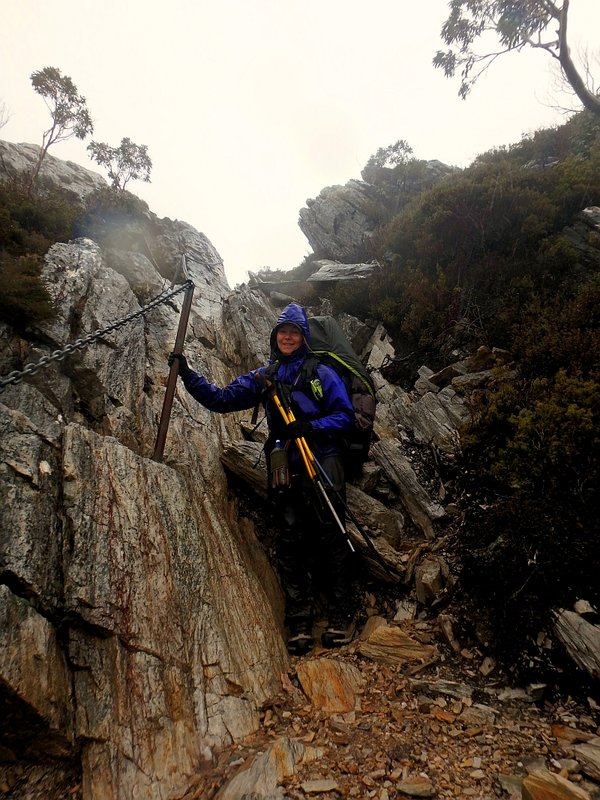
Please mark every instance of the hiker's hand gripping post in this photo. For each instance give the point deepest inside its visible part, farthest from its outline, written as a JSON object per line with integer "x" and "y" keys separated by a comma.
{"x": 309, "y": 463}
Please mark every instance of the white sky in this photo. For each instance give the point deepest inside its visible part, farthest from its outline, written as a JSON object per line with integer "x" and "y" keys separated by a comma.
{"x": 249, "y": 107}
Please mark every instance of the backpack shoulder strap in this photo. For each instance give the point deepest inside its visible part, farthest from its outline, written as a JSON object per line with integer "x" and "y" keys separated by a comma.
{"x": 309, "y": 378}
{"x": 269, "y": 373}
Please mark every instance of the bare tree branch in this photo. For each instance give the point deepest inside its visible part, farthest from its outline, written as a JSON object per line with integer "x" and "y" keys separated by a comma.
{"x": 5, "y": 115}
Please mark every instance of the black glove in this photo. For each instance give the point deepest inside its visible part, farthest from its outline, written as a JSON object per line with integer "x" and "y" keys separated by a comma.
{"x": 297, "y": 429}
{"x": 184, "y": 369}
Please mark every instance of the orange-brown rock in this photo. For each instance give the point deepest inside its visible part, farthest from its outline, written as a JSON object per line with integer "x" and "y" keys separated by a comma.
{"x": 330, "y": 684}
{"x": 390, "y": 644}
{"x": 546, "y": 785}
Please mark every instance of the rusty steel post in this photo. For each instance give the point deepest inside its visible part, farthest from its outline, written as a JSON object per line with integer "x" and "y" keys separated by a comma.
{"x": 165, "y": 416}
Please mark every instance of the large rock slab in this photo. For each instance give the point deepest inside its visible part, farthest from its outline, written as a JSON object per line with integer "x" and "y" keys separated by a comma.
{"x": 390, "y": 644}
{"x": 19, "y": 159}
{"x": 339, "y": 222}
{"x": 260, "y": 778}
{"x": 34, "y": 665}
{"x": 422, "y": 509}
{"x": 170, "y": 612}
{"x": 581, "y": 639}
{"x": 545, "y": 785}
{"x": 331, "y": 685}
{"x": 334, "y": 271}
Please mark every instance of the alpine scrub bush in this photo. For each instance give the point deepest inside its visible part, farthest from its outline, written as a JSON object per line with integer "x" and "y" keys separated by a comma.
{"x": 540, "y": 437}
{"x": 23, "y": 298}
{"x": 534, "y": 544}
{"x": 32, "y": 223}
{"x": 561, "y": 330}
{"x": 552, "y": 443}
{"x": 29, "y": 225}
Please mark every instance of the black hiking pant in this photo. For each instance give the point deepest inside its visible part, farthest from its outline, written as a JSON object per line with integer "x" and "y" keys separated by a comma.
{"x": 312, "y": 552}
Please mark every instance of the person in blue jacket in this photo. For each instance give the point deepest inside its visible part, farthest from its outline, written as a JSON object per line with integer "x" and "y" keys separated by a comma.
{"x": 308, "y": 533}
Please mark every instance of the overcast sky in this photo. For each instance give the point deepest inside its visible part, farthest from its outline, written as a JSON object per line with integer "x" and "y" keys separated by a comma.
{"x": 250, "y": 107}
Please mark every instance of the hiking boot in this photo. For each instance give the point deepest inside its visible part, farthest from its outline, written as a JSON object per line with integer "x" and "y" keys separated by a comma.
{"x": 340, "y": 630}
{"x": 301, "y": 640}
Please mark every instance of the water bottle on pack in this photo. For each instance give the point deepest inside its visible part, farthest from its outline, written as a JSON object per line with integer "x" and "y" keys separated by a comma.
{"x": 280, "y": 469}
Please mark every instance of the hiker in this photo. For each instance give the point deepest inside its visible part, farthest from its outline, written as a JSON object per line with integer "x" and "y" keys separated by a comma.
{"x": 308, "y": 535}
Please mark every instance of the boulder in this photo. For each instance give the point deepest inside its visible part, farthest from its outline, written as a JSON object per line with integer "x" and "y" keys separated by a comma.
{"x": 17, "y": 160}
{"x": 340, "y": 221}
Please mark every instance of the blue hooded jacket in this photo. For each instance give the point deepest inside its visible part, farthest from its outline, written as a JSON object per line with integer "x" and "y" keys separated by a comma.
{"x": 330, "y": 417}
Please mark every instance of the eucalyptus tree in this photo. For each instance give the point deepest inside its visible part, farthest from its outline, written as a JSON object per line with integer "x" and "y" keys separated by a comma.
{"x": 68, "y": 110}
{"x": 516, "y": 25}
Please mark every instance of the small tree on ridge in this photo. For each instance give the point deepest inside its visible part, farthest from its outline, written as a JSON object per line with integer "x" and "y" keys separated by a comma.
{"x": 391, "y": 156}
{"x": 128, "y": 162}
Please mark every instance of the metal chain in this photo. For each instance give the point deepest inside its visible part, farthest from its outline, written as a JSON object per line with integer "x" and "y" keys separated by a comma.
{"x": 17, "y": 376}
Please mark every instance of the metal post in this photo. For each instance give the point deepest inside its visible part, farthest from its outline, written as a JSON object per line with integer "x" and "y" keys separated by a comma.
{"x": 172, "y": 380}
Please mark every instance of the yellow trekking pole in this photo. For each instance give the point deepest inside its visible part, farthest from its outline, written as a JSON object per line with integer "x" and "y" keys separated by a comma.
{"x": 309, "y": 463}
{"x": 305, "y": 452}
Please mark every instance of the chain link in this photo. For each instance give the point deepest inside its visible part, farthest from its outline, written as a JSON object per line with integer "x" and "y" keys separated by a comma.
{"x": 15, "y": 377}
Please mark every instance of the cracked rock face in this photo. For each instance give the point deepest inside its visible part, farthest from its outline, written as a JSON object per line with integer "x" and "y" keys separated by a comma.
{"x": 137, "y": 613}
{"x": 341, "y": 220}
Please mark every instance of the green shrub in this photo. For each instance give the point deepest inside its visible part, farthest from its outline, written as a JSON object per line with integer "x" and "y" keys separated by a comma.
{"x": 531, "y": 543}
{"x": 29, "y": 225}
{"x": 32, "y": 223}
{"x": 541, "y": 435}
{"x": 553, "y": 440}
{"x": 23, "y": 297}
{"x": 350, "y": 298}
{"x": 561, "y": 328}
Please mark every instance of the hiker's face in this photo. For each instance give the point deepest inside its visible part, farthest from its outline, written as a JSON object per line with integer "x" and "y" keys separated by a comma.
{"x": 289, "y": 338}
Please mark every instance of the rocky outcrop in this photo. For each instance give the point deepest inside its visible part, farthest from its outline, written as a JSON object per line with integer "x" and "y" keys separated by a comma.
{"x": 340, "y": 221}
{"x": 17, "y": 160}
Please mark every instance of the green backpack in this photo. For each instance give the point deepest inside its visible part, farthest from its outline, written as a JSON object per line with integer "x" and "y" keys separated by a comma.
{"x": 330, "y": 346}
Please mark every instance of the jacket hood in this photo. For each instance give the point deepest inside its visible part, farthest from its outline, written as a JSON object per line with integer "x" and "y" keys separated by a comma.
{"x": 292, "y": 314}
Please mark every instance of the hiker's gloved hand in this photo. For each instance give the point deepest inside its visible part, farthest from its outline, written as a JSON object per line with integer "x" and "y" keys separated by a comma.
{"x": 184, "y": 369}
{"x": 297, "y": 429}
